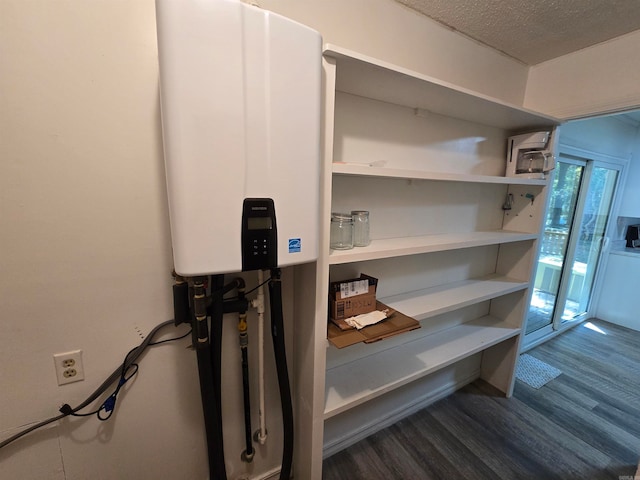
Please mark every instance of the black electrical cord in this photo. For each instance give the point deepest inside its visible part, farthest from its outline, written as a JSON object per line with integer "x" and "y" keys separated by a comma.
{"x": 257, "y": 286}
{"x": 109, "y": 405}
{"x": 118, "y": 374}
{"x": 235, "y": 297}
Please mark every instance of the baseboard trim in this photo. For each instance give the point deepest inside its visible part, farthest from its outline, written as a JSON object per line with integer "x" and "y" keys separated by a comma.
{"x": 270, "y": 475}
{"x": 395, "y": 415}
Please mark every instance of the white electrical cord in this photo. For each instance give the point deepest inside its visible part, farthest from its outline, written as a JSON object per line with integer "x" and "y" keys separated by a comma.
{"x": 258, "y": 304}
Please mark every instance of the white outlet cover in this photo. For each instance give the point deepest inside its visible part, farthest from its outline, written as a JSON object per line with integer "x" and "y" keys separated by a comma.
{"x": 69, "y": 367}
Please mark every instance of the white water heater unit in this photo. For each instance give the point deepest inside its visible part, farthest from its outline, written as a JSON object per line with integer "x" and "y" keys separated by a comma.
{"x": 240, "y": 101}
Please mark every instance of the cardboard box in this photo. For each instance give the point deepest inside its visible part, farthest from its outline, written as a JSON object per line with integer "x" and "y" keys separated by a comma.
{"x": 352, "y": 297}
{"x": 396, "y": 324}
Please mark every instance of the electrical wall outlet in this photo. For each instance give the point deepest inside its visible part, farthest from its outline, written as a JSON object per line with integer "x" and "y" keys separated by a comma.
{"x": 69, "y": 367}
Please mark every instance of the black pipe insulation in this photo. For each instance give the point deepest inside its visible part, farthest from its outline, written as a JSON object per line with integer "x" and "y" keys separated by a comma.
{"x": 208, "y": 343}
{"x": 236, "y": 283}
{"x": 239, "y": 305}
{"x": 208, "y": 393}
{"x": 181, "y": 312}
{"x": 209, "y": 353}
{"x": 277, "y": 334}
{"x": 200, "y": 323}
{"x": 215, "y": 359}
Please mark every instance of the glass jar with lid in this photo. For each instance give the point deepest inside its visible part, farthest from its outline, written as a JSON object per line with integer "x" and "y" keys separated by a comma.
{"x": 361, "y": 236}
{"x": 341, "y": 232}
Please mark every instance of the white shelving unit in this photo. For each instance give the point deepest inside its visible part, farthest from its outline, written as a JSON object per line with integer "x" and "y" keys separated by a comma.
{"x": 427, "y": 159}
{"x": 429, "y": 302}
{"x": 372, "y": 78}
{"x": 395, "y": 247}
{"x": 365, "y": 170}
{"x": 357, "y": 382}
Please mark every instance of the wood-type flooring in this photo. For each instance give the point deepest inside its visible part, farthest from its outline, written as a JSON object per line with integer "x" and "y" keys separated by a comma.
{"x": 585, "y": 424}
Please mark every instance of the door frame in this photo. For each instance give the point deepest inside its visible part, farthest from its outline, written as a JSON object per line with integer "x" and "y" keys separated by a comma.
{"x": 574, "y": 233}
{"x": 590, "y": 159}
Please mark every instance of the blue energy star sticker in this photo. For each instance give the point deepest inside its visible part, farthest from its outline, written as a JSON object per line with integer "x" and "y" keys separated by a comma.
{"x": 295, "y": 244}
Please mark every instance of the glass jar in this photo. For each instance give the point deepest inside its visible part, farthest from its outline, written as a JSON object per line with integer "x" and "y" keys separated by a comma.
{"x": 360, "y": 228}
{"x": 341, "y": 233}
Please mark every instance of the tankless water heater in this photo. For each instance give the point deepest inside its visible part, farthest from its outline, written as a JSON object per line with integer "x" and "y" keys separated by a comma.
{"x": 240, "y": 103}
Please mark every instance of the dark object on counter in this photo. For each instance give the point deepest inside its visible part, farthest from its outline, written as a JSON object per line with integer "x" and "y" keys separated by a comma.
{"x": 633, "y": 236}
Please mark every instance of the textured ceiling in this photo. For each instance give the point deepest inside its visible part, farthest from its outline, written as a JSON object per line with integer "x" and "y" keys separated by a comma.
{"x": 533, "y": 31}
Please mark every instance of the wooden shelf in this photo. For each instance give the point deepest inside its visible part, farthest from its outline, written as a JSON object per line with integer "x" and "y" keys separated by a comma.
{"x": 356, "y": 382}
{"x": 397, "y": 247}
{"x": 433, "y": 301}
{"x": 365, "y": 76}
{"x": 365, "y": 170}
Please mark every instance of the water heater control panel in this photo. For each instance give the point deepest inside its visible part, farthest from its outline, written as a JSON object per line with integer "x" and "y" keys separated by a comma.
{"x": 259, "y": 234}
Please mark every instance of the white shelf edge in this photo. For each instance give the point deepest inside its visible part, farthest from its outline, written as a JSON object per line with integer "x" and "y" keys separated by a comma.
{"x": 429, "y": 302}
{"x": 397, "y": 247}
{"x": 366, "y": 170}
{"x": 393, "y": 368}
{"x": 438, "y": 96}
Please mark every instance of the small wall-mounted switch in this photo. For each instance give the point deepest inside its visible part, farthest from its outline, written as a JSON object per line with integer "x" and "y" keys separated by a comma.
{"x": 69, "y": 367}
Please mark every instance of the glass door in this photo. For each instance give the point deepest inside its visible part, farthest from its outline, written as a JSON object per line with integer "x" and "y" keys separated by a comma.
{"x": 574, "y": 234}
{"x": 567, "y": 180}
{"x": 589, "y": 242}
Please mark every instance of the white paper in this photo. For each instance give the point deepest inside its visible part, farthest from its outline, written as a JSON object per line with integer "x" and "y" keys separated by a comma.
{"x": 366, "y": 319}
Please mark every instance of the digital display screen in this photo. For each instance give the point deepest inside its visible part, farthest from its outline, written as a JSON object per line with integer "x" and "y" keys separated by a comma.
{"x": 259, "y": 223}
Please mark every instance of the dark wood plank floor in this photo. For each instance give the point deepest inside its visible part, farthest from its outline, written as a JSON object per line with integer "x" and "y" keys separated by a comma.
{"x": 585, "y": 424}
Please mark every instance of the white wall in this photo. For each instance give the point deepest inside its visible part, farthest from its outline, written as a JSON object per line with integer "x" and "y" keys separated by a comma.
{"x": 605, "y": 135}
{"x": 598, "y": 79}
{"x": 392, "y": 32}
{"x": 84, "y": 240}
{"x": 610, "y": 136}
{"x": 84, "y": 243}
{"x": 630, "y": 204}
